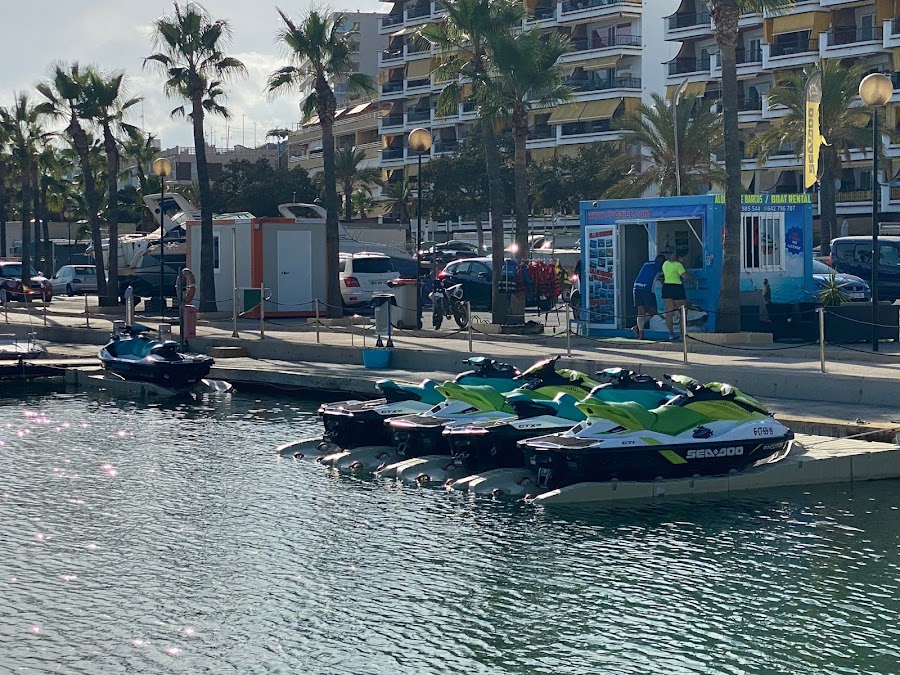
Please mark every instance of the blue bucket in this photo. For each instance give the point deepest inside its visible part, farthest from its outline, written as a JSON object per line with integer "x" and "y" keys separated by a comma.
{"x": 376, "y": 358}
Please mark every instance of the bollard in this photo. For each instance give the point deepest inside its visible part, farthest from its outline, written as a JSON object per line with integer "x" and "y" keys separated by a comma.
{"x": 353, "y": 332}
{"x": 684, "y": 335}
{"x": 317, "y": 320}
{"x": 821, "y": 311}
{"x": 262, "y": 311}
{"x": 469, "y": 322}
{"x": 5, "y": 302}
{"x": 87, "y": 314}
{"x": 568, "y": 334}
{"x": 45, "y": 313}
{"x": 129, "y": 310}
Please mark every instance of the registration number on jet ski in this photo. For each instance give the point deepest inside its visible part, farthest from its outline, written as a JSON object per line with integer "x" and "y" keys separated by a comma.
{"x": 708, "y": 453}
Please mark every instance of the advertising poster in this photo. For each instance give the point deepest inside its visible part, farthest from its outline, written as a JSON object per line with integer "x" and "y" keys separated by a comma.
{"x": 600, "y": 276}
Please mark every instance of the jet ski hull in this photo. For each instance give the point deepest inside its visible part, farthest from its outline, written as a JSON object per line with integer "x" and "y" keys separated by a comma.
{"x": 174, "y": 374}
{"x": 361, "y": 423}
{"x": 577, "y": 460}
{"x": 496, "y": 446}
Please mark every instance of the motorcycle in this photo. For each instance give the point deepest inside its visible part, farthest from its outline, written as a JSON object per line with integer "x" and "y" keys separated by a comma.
{"x": 448, "y": 303}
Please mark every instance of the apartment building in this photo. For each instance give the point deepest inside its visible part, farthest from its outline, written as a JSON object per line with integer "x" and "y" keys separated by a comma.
{"x": 616, "y": 61}
{"x": 865, "y": 32}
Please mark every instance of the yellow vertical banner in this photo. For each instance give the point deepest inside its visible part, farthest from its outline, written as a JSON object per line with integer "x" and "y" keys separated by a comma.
{"x": 813, "y": 133}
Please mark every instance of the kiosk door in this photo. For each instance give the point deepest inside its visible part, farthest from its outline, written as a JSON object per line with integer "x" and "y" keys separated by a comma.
{"x": 632, "y": 252}
{"x": 599, "y": 275}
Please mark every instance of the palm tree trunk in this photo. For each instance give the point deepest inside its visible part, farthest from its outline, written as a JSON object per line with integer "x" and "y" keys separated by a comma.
{"x": 207, "y": 276}
{"x": 828, "y": 213}
{"x": 36, "y": 237}
{"x": 50, "y": 264}
{"x": 479, "y": 232}
{"x": 727, "y": 15}
{"x": 520, "y": 136}
{"x": 348, "y": 203}
{"x": 325, "y": 105}
{"x": 111, "y": 298}
{"x": 499, "y": 303}
{"x": 80, "y": 141}
{"x": 4, "y": 213}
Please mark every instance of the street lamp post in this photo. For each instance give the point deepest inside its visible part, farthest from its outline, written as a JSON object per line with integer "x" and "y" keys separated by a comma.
{"x": 68, "y": 215}
{"x": 675, "y": 99}
{"x": 162, "y": 168}
{"x": 420, "y": 142}
{"x": 875, "y": 90}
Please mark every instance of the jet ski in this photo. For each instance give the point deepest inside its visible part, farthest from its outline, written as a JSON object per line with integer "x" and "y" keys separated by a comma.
{"x": 711, "y": 429}
{"x": 485, "y": 446}
{"x": 422, "y": 434}
{"x": 133, "y": 354}
{"x": 352, "y": 424}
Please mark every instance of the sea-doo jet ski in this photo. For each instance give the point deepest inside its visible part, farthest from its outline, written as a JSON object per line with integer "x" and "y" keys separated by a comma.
{"x": 711, "y": 429}
{"x": 351, "y": 424}
{"x": 484, "y": 446}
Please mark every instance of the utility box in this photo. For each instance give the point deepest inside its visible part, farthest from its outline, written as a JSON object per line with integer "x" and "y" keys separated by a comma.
{"x": 383, "y": 304}
{"x": 190, "y": 321}
{"x": 405, "y": 314}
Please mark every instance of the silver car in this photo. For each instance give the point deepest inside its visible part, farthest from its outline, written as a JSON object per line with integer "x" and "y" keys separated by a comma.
{"x": 73, "y": 279}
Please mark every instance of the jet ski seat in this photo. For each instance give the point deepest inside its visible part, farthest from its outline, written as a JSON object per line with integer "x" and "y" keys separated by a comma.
{"x": 482, "y": 397}
{"x": 425, "y": 391}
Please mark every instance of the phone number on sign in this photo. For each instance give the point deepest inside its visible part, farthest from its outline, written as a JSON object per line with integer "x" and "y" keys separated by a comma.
{"x": 756, "y": 208}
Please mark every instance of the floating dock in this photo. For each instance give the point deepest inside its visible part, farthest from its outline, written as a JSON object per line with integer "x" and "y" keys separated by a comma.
{"x": 813, "y": 460}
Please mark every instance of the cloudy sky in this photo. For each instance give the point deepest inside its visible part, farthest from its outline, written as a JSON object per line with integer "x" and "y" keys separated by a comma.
{"x": 116, "y": 35}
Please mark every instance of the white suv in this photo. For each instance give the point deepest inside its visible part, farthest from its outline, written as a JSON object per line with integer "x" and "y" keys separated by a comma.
{"x": 363, "y": 274}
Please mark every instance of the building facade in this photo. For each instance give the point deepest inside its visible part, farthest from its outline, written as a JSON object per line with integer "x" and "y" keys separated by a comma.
{"x": 861, "y": 32}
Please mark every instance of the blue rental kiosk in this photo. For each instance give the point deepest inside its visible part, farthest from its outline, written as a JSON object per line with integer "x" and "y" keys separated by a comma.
{"x": 618, "y": 236}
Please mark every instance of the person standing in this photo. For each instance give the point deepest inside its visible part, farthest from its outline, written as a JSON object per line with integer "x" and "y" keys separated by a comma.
{"x": 644, "y": 297}
{"x": 674, "y": 297}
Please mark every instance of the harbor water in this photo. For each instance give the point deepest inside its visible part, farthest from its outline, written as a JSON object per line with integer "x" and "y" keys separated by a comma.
{"x": 169, "y": 538}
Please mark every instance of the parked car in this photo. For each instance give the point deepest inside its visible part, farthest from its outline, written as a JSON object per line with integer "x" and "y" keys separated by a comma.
{"x": 853, "y": 255}
{"x": 853, "y": 287}
{"x": 73, "y": 279}
{"x": 475, "y": 276}
{"x": 11, "y": 282}
{"x": 363, "y": 274}
{"x": 440, "y": 254}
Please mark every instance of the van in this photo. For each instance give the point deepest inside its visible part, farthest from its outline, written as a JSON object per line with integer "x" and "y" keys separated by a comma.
{"x": 853, "y": 255}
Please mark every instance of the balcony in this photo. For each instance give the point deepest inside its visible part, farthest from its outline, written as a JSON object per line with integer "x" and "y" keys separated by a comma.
{"x": 392, "y": 121}
{"x": 583, "y": 44}
{"x": 391, "y": 55}
{"x": 541, "y": 132}
{"x": 689, "y": 20}
{"x": 392, "y": 87}
{"x": 751, "y": 104}
{"x": 443, "y": 145}
{"x": 571, "y": 6}
{"x": 391, "y": 154}
{"x": 543, "y": 13}
{"x": 792, "y": 48}
{"x": 391, "y": 20}
{"x": 414, "y": 116}
{"x": 587, "y": 84}
{"x": 418, "y": 12}
{"x": 849, "y": 36}
{"x": 685, "y": 65}
{"x": 746, "y": 56}
{"x": 854, "y": 196}
{"x": 582, "y": 128}
{"x": 791, "y": 53}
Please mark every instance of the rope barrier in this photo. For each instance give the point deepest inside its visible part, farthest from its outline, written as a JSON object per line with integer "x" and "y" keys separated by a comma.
{"x": 865, "y": 323}
{"x": 753, "y": 349}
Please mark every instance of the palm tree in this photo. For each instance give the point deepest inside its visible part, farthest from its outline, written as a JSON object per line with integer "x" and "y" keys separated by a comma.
{"x": 362, "y": 202}
{"x": 6, "y": 171}
{"x": 106, "y": 105}
{"x": 191, "y": 55}
{"x": 64, "y": 93}
{"x": 51, "y": 170}
{"x": 319, "y": 51}
{"x": 843, "y": 128}
{"x": 22, "y": 126}
{"x": 463, "y": 41}
{"x": 526, "y": 78}
{"x": 726, "y": 15}
{"x": 400, "y": 196}
{"x": 652, "y": 128}
{"x": 138, "y": 149}
{"x": 350, "y": 175}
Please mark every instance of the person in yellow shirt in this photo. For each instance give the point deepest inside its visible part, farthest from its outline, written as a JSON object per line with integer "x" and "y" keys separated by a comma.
{"x": 674, "y": 297}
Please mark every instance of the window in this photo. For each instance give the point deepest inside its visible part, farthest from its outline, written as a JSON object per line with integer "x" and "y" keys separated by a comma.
{"x": 761, "y": 238}
{"x": 867, "y": 28}
{"x": 372, "y": 266}
{"x": 463, "y": 268}
{"x": 888, "y": 255}
{"x": 343, "y": 266}
{"x": 216, "y": 252}
{"x": 478, "y": 268}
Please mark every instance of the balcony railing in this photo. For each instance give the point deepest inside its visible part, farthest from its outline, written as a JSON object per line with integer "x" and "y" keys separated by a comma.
{"x": 791, "y": 48}
{"x": 587, "y": 84}
{"x": 418, "y": 115}
{"x": 579, "y": 5}
{"x": 392, "y": 87}
{"x": 445, "y": 145}
{"x": 542, "y": 13}
{"x": 750, "y": 104}
{"x": 748, "y": 56}
{"x": 391, "y": 153}
{"x": 393, "y": 121}
{"x": 391, "y": 20}
{"x": 581, "y": 44}
{"x": 390, "y": 54}
{"x": 849, "y": 36}
{"x": 418, "y": 11}
{"x": 854, "y": 196}
{"x": 683, "y": 65}
{"x": 578, "y": 128}
{"x": 895, "y": 78}
{"x": 688, "y": 19}
{"x": 542, "y": 131}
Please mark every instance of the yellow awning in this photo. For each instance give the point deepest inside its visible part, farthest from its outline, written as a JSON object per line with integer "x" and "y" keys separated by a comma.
{"x": 568, "y": 112}
{"x": 386, "y": 141}
{"x": 632, "y": 105}
{"x": 791, "y": 23}
{"x": 884, "y": 11}
{"x": 339, "y": 112}
{"x": 599, "y": 110}
{"x": 465, "y": 91}
{"x": 530, "y": 5}
{"x": 418, "y": 70}
{"x": 896, "y": 55}
{"x": 601, "y": 63}
{"x": 355, "y": 110}
{"x": 692, "y": 89}
{"x": 542, "y": 154}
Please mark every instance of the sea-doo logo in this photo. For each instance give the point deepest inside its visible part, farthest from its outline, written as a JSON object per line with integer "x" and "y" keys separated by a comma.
{"x": 710, "y": 453}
